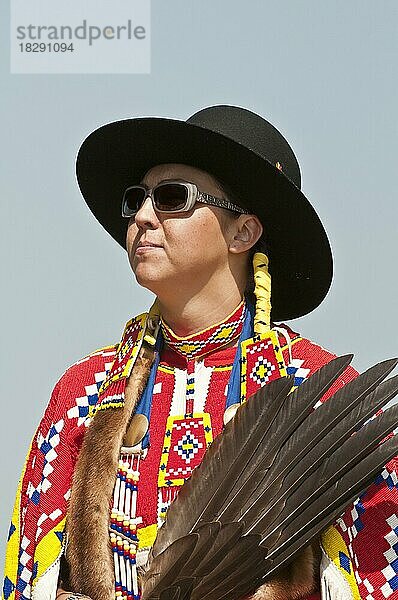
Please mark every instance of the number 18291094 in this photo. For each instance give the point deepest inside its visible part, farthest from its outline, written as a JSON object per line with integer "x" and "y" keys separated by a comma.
{"x": 46, "y": 47}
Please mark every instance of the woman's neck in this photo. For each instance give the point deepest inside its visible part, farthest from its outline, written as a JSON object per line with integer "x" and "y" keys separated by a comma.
{"x": 186, "y": 317}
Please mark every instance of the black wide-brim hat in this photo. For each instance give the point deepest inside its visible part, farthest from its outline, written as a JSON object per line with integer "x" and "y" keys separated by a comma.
{"x": 243, "y": 151}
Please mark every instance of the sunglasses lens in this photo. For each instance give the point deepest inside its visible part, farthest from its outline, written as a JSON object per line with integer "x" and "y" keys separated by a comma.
{"x": 132, "y": 200}
{"x": 170, "y": 197}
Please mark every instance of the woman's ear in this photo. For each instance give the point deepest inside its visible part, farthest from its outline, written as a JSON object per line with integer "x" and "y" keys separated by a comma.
{"x": 248, "y": 230}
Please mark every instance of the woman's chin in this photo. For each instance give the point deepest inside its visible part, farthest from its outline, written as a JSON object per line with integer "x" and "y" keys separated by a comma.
{"x": 150, "y": 278}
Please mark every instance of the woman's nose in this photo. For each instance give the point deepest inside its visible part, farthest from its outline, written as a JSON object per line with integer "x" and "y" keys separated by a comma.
{"x": 146, "y": 217}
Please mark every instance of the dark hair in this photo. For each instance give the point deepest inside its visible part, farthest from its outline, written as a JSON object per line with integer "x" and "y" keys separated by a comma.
{"x": 259, "y": 246}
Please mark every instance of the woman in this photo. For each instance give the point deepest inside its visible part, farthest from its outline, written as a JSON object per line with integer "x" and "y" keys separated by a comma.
{"x": 200, "y": 202}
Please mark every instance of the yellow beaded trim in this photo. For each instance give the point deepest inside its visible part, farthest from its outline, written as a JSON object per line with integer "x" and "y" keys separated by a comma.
{"x": 335, "y": 547}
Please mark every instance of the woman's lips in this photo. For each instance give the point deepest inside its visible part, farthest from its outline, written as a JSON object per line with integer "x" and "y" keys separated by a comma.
{"x": 144, "y": 248}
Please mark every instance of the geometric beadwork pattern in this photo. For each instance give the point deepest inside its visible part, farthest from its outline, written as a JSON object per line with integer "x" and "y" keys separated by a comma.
{"x": 188, "y": 446}
{"x": 295, "y": 368}
{"x": 344, "y": 561}
{"x": 337, "y": 552}
{"x": 356, "y": 522}
{"x": 43, "y": 517}
{"x": 185, "y": 442}
{"x": 166, "y": 495}
{"x": 262, "y": 361}
{"x": 388, "y": 477}
{"x": 262, "y": 371}
{"x": 126, "y": 353}
{"x": 213, "y": 338}
{"x": 369, "y": 588}
{"x": 24, "y": 573}
{"x": 47, "y": 446}
{"x": 38, "y": 522}
{"x": 83, "y": 403}
{"x": 390, "y": 572}
{"x": 356, "y": 512}
{"x": 357, "y": 525}
{"x": 8, "y": 587}
{"x": 370, "y": 530}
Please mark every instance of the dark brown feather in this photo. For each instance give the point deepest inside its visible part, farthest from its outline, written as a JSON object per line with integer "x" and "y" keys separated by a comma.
{"x": 332, "y": 502}
{"x": 208, "y": 534}
{"x": 180, "y": 591}
{"x": 348, "y": 457}
{"x": 245, "y": 551}
{"x": 338, "y": 443}
{"x": 167, "y": 566}
{"x": 226, "y": 539}
{"x": 310, "y": 466}
{"x": 229, "y": 578}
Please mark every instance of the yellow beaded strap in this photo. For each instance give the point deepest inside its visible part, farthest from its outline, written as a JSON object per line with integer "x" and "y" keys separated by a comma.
{"x": 262, "y": 291}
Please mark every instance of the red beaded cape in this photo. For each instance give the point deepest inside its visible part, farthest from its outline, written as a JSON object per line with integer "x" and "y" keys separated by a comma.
{"x": 360, "y": 551}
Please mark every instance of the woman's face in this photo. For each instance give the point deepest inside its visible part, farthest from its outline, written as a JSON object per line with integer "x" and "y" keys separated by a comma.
{"x": 183, "y": 250}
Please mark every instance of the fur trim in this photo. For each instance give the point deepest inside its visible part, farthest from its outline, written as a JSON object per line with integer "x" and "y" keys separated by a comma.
{"x": 89, "y": 553}
{"x": 299, "y": 579}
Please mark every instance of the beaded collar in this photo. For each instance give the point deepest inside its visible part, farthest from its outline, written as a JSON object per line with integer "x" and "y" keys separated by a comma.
{"x": 204, "y": 342}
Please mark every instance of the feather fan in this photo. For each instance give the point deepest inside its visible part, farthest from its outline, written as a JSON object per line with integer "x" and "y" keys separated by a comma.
{"x": 271, "y": 482}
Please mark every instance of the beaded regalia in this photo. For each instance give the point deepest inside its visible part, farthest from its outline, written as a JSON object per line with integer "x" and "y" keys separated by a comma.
{"x": 37, "y": 532}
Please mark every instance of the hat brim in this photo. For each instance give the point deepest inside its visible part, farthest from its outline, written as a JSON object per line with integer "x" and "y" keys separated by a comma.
{"x": 118, "y": 155}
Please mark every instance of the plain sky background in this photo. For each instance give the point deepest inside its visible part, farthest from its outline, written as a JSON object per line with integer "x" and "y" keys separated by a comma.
{"x": 324, "y": 73}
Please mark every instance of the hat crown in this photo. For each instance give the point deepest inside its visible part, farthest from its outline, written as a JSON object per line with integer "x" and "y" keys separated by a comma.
{"x": 252, "y": 131}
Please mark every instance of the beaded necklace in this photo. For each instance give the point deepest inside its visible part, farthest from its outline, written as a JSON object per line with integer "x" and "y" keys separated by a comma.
{"x": 198, "y": 345}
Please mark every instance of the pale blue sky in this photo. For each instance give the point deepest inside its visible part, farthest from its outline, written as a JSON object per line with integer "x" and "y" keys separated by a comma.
{"x": 324, "y": 73}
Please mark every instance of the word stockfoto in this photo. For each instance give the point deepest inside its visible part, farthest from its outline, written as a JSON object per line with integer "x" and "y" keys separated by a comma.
{"x": 81, "y": 32}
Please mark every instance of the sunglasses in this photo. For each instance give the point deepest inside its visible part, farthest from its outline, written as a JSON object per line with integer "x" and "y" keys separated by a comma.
{"x": 171, "y": 197}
